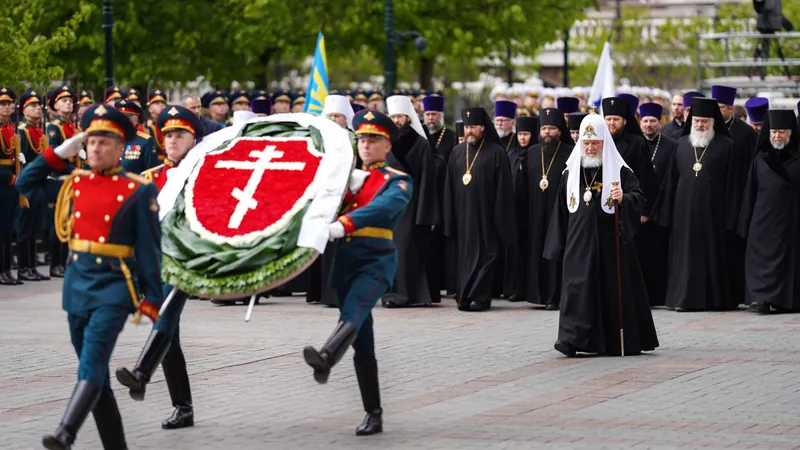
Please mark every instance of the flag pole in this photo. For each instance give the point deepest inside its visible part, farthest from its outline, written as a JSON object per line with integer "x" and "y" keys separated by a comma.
{"x": 619, "y": 273}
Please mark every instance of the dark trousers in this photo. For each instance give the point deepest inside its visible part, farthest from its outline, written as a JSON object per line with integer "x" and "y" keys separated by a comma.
{"x": 174, "y": 363}
{"x": 357, "y": 296}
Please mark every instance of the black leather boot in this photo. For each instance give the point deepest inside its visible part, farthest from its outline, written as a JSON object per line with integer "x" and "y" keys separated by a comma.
{"x": 332, "y": 351}
{"x": 80, "y": 405}
{"x": 153, "y": 352}
{"x": 174, "y": 366}
{"x": 109, "y": 422}
{"x": 5, "y": 280}
{"x": 24, "y": 272}
{"x": 367, "y": 374}
{"x": 32, "y": 262}
{"x": 8, "y": 264}
{"x": 56, "y": 260}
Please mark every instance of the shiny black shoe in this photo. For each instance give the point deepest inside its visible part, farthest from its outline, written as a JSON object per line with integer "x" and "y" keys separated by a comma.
{"x": 152, "y": 354}
{"x": 551, "y": 307}
{"x": 565, "y": 348}
{"x": 331, "y": 352}
{"x": 182, "y": 416}
{"x": 760, "y": 307}
{"x": 26, "y": 274}
{"x": 367, "y": 374}
{"x": 516, "y": 298}
{"x": 82, "y": 402}
{"x": 57, "y": 272}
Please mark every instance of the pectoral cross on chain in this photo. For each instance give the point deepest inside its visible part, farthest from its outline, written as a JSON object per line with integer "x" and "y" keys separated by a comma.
{"x": 264, "y": 161}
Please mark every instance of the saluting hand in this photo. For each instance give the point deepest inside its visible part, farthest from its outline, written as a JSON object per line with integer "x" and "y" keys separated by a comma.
{"x": 71, "y": 147}
{"x": 616, "y": 194}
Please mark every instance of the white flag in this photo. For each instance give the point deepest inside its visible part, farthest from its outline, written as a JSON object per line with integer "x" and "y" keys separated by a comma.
{"x": 604, "y": 81}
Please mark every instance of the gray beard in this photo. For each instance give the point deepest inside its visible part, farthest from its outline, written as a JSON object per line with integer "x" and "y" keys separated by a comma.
{"x": 701, "y": 138}
{"x": 777, "y": 146}
{"x": 503, "y": 133}
{"x": 591, "y": 162}
{"x": 434, "y": 128}
{"x": 471, "y": 139}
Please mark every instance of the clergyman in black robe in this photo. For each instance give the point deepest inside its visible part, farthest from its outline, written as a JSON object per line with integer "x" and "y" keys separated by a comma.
{"x": 603, "y": 297}
{"x": 442, "y": 140}
{"x": 700, "y": 206}
{"x": 479, "y": 209}
{"x": 506, "y": 283}
{"x": 652, "y": 240}
{"x": 537, "y": 181}
{"x": 769, "y": 216}
{"x": 412, "y": 154}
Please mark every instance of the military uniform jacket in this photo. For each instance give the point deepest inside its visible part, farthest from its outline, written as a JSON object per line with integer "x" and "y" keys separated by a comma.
{"x": 369, "y": 219}
{"x": 158, "y": 174}
{"x": 59, "y": 131}
{"x": 140, "y": 154}
{"x": 158, "y": 139}
{"x": 115, "y": 239}
{"x": 31, "y": 141}
{"x": 9, "y": 160}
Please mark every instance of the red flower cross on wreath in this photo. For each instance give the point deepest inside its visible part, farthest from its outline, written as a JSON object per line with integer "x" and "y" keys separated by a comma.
{"x": 251, "y": 189}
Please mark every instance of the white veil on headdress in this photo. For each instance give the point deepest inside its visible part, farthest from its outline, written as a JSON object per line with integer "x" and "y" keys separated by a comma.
{"x": 341, "y": 105}
{"x": 401, "y": 104}
{"x": 593, "y": 128}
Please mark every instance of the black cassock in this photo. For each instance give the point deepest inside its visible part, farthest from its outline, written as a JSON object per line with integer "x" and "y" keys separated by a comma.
{"x": 700, "y": 208}
{"x": 633, "y": 149}
{"x": 744, "y": 144}
{"x": 672, "y": 129}
{"x": 480, "y": 217}
{"x": 441, "y": 274}
{"x": 542, "y": 276}
{"x": 652, "y": 240}
{"x": 507, "y": 281}
{"x": 589, "y": 317}
{"x": 411, "y": 154}
{"x": 768, "y": 219}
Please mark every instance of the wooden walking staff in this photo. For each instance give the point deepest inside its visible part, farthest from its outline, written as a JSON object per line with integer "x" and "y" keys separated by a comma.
{"x": 619, "y": 272}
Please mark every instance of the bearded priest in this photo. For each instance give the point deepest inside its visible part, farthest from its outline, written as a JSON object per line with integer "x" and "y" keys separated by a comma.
{"x": 700, "y": 203}
{"x": 597, "y": 213}
{"x": 478, "y": 209}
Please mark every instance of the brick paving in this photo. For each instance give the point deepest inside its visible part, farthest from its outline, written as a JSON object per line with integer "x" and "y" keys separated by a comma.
{"x": 450, "y": 380}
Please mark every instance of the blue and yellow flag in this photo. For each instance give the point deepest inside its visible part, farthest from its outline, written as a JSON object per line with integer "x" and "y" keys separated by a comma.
{"x": 318, "y": 81}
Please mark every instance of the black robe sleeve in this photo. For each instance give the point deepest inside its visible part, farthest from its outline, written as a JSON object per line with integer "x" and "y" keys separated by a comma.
{"x": 733, "y": 184}
{"x": 633, "y": 202}
{"x": 415, "y": 157}
{"x": 505, "y": 219}
{"x": 748, "y": 200}
{"x": 449, "y": 197}
{"x": 557, "y": 230}
{"x": 663, "y": 213}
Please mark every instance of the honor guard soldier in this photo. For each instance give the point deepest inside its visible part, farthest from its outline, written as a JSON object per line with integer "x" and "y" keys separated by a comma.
{"x": 140, "y": 153}
{"x": 9, "y": 171}
{"x": 281, "y": 101}
{"x": 217, "y": 106}
{"x": 112, "y": 94}
{"x": 375, "y": 102}
{"x": 299, "y": 102}
{"x": 110, "y": 218}
{"x": 133, "y": 96}
{"x": 210, "y": 125}
{"x": 156, "y": 102}
{"x": 239, "y": 101}
{"x": 365, "y": 260}
{"x": 85, "y": 101}
{"x": 182, "y": 130}
{"x": 32, "y": 143}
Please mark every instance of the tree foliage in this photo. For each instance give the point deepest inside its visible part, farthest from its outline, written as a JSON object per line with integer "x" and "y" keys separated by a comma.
{"x": 241, "y": 40}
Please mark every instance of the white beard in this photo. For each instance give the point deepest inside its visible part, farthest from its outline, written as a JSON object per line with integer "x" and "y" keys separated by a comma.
{"x": 777, "y": 146}
{"x": 503, "y": 133}
{"x": 701, "y": 138}
{"x": 471, "y": 139}
{"x": 591, "y": 162}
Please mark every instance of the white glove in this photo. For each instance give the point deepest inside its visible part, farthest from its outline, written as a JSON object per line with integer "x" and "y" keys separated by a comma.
{"x": 71, "y": 146}
{"x": 22, "y": 158}
{"x": 336, "y": 231}
{"x": 357, "y": 179}
{"x": 82, "y": 154}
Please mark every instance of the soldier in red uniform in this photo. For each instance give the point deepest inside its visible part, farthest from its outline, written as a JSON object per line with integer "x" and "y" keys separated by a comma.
{"x": 182, "y": 130}
{"x": 9, "y": 170}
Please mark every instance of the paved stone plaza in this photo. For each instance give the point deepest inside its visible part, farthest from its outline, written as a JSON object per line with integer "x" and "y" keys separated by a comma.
{"x": 450, "y": 380}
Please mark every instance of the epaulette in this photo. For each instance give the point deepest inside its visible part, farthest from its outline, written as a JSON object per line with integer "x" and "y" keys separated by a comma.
{"x": 395, "y": 171}
{"x": 22, "y": 125}
{"x": 137, "y": 178}
{"x": 142, "y": 134}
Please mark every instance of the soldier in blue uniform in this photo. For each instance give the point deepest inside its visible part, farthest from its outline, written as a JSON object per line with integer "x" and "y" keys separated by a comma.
{"x": 110, "y": 218}
{"x": 59, "y": 130}
{"x": 364, "y": 261}
{"x": 156, "y": 102}
{"x": 182, "y": 130}
{"x": 141, "y": 153}
{"x": 9, "y": 170}
{"x": 112, "y": 94}
{"x": 85, "y": 101}
{"x": 31, "y": 144}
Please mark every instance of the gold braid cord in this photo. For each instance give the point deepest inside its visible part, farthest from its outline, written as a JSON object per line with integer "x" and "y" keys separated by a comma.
{"x": 63, "y": 218}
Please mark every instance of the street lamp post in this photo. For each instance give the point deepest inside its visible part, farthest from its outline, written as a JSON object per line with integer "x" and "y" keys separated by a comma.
{"x": 396, "y": 37}
{"x": 108, "y": 28}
